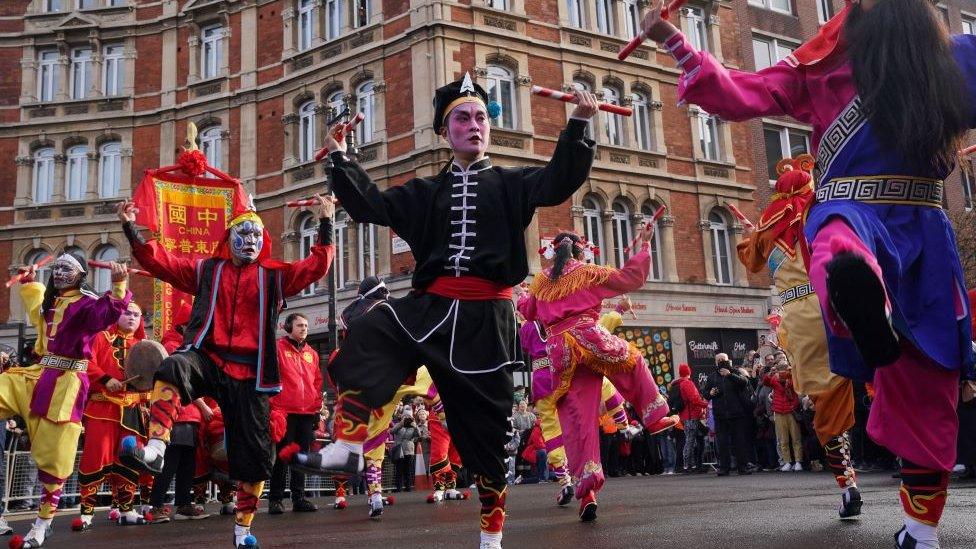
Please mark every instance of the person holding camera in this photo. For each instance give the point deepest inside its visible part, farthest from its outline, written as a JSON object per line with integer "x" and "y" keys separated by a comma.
{"x": 405, "y": 436}
{"x": 733, "y": 414}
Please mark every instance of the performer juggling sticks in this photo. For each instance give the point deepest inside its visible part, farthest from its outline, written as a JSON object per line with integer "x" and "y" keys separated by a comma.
{"x": 740, "y": 216}
{"x": 17, "y": 277}
{"x": 636, "y": 41}
{"x": 339, "y": 133}
{"x": 570, "y": 98}
{"x": 131, "y": 270}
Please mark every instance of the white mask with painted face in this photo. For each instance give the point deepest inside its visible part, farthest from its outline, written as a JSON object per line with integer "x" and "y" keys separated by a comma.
{"x": 246, "y": 240}
{"x": 66, "y": 272}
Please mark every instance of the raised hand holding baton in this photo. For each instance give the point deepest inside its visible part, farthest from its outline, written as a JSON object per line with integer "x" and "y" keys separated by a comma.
{"x": 658, "y": 214}
{"x": 570, "y": 98}
{"x": 131, "y": 270}
{"x": 17, "y": 277}
{"x": 339, "y": 133}
{"x": 636, "y": 41}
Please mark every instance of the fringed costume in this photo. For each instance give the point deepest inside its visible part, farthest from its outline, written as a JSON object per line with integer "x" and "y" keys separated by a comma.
{"x": 582, "y": 352}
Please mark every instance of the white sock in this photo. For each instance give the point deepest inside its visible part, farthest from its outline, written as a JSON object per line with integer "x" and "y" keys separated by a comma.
{"x": 155, "y": 447}
{"x": 87, "y": 519}
{"x": 926, "y": 536}
{"x": 376, "y": 499}
{"x": 129, "y": 516}
{"x": 40, "y": 528}
{"x": 491, "y": 536}
{"x": 241, "y": 532}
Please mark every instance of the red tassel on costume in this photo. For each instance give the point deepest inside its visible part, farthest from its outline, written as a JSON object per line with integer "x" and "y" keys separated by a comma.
{"x": 278, "y": 425}
{"x": 288, "y": 452}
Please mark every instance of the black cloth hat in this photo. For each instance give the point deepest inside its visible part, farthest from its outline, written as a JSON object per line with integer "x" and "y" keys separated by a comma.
{"x": 445, "y": 98}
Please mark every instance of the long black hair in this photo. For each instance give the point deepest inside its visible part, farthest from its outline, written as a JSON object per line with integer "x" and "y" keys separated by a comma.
{"x": 567, "y": 245}
{"x": 911, "y": 88}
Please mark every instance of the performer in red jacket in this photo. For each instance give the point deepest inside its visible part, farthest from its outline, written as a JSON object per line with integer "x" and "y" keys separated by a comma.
{"x": 300, "y": 399}
{"x": 113, "y": 411}
{"x": 228, "y": 351}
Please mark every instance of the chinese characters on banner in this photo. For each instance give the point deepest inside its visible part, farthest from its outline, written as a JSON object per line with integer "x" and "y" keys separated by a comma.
{"x": 188, "y": 215}
{"x": 655, "y": 345}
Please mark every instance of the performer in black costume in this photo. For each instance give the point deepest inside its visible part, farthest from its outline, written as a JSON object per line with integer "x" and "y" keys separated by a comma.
{"x": 465, "y": 228}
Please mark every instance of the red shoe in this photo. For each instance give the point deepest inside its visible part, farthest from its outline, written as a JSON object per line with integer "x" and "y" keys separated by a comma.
{"x": 587, "y": 510}
{"x": 662, "y": 425}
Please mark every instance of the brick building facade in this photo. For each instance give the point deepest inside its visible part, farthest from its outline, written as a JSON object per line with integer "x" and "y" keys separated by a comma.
{"x": 96, "y": 91}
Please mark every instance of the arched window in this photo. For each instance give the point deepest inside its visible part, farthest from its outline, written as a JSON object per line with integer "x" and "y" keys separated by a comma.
{"x": 612, "y": 124}
{"x": 35, "y": 256}
{"x": 623, "y": 231}
{"x": 109, "y": 169}
{"x": 43, "y": 175}
{"x": 76, "y": 178}
{"x": 721, "y": 248}
{"x": 501, "y": 88}
{"x": 308, "y": 228}
{"x": 643, "y": 137}
{"x": 306, "y": 133}
{"x": 581, "y": 85}
{"x": 366, "y": 233}
{"x": 101, "y": 279}
{"x": 335, "y": 102}
{"x": 593, "y": 226}
{"x": 210, "y": 144}
{"x": 657, "y": 272}
{"x": 306, "y": 23}
{"x": 366, "y": 102}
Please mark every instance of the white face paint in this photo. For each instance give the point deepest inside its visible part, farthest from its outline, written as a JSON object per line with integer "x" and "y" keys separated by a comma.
{"x": 65, "y": 274}
{"x": 246, "y": 241}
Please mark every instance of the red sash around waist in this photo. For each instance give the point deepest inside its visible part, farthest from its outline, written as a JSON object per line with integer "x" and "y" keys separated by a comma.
{"x": 469, "y": 288}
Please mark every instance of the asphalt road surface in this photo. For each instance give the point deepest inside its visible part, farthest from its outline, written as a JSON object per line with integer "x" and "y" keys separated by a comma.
{"x": 762, "y": 511}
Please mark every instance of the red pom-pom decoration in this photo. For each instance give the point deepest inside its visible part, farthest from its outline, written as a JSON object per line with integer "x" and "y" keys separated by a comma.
{"x": 288, "y": 452}
{"x": 278, "y": 425}
{"x": 193, "y": 163}
{"x": 389, "y": 500}
{"x": 77, "y": 525}
{"x": 16, "y": 542}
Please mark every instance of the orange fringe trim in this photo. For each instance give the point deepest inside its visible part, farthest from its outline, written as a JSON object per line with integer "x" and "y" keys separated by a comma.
{"x": 584, "y": 276}
{"x": 587, "y": 359}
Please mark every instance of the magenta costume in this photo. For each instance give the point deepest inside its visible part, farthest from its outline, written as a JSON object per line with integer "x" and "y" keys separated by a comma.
{"x": 582, "y": 352}
{"x": 885, "y": 209}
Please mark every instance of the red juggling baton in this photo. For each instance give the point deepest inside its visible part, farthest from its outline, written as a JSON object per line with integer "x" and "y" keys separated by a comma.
{"x": 300, "y": 203}
{"x": 103, "y": 265}
{"x": 570, "y": 98}
{"x": 740, "y": 216}
{"x": 16, "y": 278}
{"x": 658, "y": 214}
{"x": 340, "y": 133}
{"x": 968, "y": 150}
{"x": 639, "y": 39}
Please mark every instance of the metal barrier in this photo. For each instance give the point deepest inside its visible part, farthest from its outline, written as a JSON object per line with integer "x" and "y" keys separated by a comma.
{"x": 22, "y": 489}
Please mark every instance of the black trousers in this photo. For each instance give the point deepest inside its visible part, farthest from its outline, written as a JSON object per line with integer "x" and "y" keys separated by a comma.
{"x": 733, "y": 434}
{"x": 250, "y": 454}
{"x": 301, "y": 431}
{"x": 180, "y": 461}
{"x": 403, "y": 470}
{"x": 378, "y": 355}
